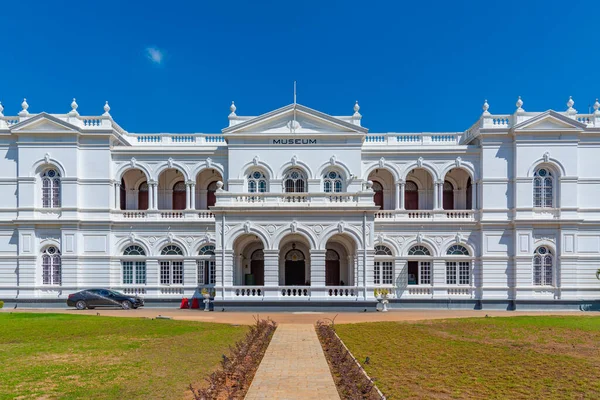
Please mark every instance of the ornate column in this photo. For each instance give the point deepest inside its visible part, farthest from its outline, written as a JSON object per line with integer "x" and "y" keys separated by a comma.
{"x": 397, "y": 196}
{"x": 193, "y": 195}
{"x": 271, "y": 273}
{"x": 436, "y": 205}
{"x": 154, "y": 196}
{"x": 402, "y": 191}
{"x": 188, "y": 197}
{"x": 117, "y": 196}
{"x": 317, "y": 273}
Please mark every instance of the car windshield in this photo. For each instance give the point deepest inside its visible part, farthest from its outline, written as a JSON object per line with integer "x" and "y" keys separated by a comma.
{"x": 115, "y": 293}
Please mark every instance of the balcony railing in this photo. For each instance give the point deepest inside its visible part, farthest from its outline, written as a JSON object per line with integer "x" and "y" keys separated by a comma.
{"x": 413, "y": 139}
{"x": 425, "y": 215}
{"x": 150, "y": 215}
{"x": 294, "y": 199}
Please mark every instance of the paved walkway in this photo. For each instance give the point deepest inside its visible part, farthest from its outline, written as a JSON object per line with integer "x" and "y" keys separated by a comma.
{"x": 294, "y": 367}
{"x": 248, "y": 318}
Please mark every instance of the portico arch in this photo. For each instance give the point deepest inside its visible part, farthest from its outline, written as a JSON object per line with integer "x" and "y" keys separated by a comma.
{"x": 294, "y": 261}
{"x": 340, "y": 260}
{"x": 249, "y": 264}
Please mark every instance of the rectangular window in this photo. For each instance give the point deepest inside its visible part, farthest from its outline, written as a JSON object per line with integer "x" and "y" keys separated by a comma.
{"x": 177, "y": 272}
{"x": 464, "y": 273}
{"x": 140, "y": 272}
{"x": 425, "y": 272}
{"x": 46, "y": 271}
{"x": 127, "y": 273}
{"x": 46, "y": 193}
{"x": 388, "y": 273}
{"x": 200, "y": 264}
{"x": 377, "y": 273}
{"x": 450, "y": 273}
{"x": 537, "y": 270}
{"x": 165, "y": 272}
{"x": 212, "y": 272}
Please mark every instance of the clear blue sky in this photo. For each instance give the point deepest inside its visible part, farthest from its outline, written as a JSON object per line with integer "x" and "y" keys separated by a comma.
{"x": 175, "y": 66}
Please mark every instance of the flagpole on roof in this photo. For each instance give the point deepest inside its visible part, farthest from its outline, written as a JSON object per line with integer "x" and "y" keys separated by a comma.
{"x": 294, "y": 123}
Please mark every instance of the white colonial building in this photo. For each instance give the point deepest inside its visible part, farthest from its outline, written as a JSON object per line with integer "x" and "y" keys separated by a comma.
{"x": 299, "y": 206}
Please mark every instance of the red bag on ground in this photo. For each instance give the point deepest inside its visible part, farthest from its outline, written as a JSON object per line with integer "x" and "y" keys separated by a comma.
{"x": 184, "y": 303}
{"x": 195, "y": 302}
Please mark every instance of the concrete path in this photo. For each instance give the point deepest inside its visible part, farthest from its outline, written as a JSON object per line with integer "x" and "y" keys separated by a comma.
{"x": 294, "y": 367}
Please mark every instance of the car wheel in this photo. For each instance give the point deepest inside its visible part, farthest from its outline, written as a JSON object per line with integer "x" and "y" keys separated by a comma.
{"x": 135, "y": 307}
{"x": 126, "y": 305}
{"x": 80, "y": 305}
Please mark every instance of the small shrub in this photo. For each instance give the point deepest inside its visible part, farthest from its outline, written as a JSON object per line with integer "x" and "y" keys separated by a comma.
{"x": 1, "y": 304}
{"x": 352, "y": 383}
{"x": 233, "y": 379}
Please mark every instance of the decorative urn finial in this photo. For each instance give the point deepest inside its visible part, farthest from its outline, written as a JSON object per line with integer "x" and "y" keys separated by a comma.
{"x": 519, "y": 104}
{"x": 356, "y": 107}
{"x": 571, "y": 102}
{"x": 485, "y": 107}
{"x": 74, "y": 105}
{"x": 24, "y": 105}
{"x": 106, "y": 108}
{"x": 2, "y": 109}
{"x": 233, "y": 107}
{"x": 596, "y": 107}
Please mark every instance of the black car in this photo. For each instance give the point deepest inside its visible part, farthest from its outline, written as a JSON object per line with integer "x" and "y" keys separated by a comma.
{"x": 92, "y": 298}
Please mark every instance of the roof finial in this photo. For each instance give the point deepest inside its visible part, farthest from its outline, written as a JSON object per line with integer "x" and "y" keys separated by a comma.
{"x": 356, "y": 107}
{"x": 520, "y": 105}
{"x": 1, "y": 109}
{"x": 74, "y": 106}
{"x": 24, "y": 106}
{"x": 571, "y": 111}
{"x": 596, "y": 107}
{"x": 485, "y": 107}
{"x": 232, "y": 108}
{"x": 106, "y": 109}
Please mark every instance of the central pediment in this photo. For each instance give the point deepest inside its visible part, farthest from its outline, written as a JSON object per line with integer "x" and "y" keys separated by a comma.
{"x": 294, "y": 119}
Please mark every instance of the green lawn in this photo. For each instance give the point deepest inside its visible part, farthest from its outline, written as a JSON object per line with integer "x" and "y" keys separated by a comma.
{"x": 477, "y": 358}
{"x": 91, "y": 357}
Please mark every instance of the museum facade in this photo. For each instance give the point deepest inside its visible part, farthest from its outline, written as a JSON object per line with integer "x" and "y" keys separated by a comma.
{"x": 299, "y": 206}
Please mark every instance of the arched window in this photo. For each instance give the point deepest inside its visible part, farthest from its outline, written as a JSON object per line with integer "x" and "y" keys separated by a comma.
{"x": 294, "y": 181}
{"x": 411, "y": 196}
{"x": 294, "y": 255}
{"x": 51, "y": 266}
{"x": 458, "y": 272}
{"x": 543, "y": 262}
{"x": 457, "y": 250}
{"x": 448, "y": 196}
{"x": 383, "y": 272}
{"x": 206, "y": 265}
{"x": 143, "y": 196}
{"x": 134, "y": 265}
{"x": 543, "y": 182}
{"x": 419, "y": 250}
{"x": 257, "y": 182}
{"x": 332, "y": 182}
{"x": 51, "y": 189}
{"x": 419, "y": 272}
{"x": 179, "y": 196}
{"x": 171, "y": 271}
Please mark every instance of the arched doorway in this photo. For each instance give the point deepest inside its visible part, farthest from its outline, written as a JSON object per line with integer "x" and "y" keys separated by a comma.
{"x": 295, "y": 273}
{"x": 257, "y": 268}
{"x": 448, "y": 196}
{"x": 378, "y": 197}
{"x": 179, "y": 196}
{"x": 123, "y": 195}
{"x": 411, "y": 196}
{"x": 211, "y": 198}
{"x": 143, "y": 196}
{"x": 332, "y": 268}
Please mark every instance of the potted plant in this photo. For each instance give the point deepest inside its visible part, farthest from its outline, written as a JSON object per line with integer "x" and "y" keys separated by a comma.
{"x": 382, "y": 297}
{"x": 206, "y": 293}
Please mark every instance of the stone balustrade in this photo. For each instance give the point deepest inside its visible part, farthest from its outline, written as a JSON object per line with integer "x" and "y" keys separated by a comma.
{"x": 228, "y": 199}
{"x": 425, "y": 215}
